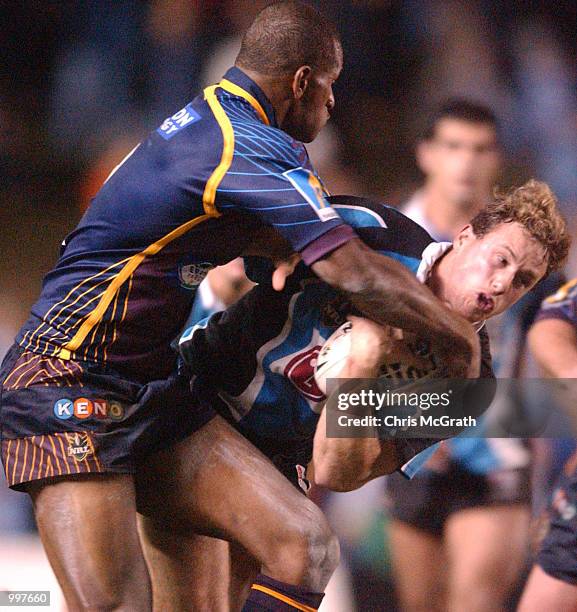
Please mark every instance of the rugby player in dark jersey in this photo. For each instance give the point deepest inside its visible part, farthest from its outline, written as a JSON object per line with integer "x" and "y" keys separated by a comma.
{"x": 259, "y": 356}
{"x": 87, "y": 389}
{"x": 552, "y": 584}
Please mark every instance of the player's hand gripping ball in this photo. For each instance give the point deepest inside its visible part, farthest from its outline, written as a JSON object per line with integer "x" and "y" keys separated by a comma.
{"x": 391, "y": 352}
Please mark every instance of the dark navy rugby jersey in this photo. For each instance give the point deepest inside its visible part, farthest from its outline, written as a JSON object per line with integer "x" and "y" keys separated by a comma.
{"x": 561, "y": 305}
{"x": 191, "y": 196}
{"x": 260, "y": 353}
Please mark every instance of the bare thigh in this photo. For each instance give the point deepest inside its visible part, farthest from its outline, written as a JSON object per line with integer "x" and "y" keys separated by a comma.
{"x": 487, "y": 549}
{"x": 216, "y": 483}
{"x": 418, "y": 562}
{"x": 88, "y": 528}
{"x": 543, "y": 592}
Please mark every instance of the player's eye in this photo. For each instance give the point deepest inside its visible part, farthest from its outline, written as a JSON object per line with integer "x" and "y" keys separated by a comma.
{"x": 523, "y": 280}
{"x": 502, "y": 261}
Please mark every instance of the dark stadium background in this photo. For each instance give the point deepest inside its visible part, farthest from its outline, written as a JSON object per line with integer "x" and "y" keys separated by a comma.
{"x": 81, "y": 82}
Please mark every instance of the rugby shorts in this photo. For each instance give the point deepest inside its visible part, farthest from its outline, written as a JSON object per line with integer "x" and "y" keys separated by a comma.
{"x": 431, "y": 497}
{"x": 60, "y": 418}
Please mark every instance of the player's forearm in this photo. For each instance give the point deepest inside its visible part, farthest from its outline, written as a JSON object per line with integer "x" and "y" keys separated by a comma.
{"x": 345, "y": 464}
{"x": 388, "y": 293}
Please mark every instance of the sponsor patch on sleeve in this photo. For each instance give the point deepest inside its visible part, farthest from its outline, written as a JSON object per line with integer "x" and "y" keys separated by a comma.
{"x": 171, "y": 126}
{"x": 309, "y": 186}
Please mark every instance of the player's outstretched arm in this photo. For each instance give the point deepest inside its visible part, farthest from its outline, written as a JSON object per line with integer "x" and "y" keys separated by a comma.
{"x": 387, "y": 292}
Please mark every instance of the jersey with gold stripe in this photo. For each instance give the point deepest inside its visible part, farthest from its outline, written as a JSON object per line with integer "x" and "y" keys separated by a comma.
{"x": 194, "y": 194}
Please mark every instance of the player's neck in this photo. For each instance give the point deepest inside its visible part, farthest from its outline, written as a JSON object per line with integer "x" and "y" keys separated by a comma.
{"x": 275, "y": 90}
{"x": 446, "y": 217}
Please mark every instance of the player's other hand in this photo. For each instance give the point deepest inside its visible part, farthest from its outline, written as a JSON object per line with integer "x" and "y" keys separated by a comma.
{"x": 283, "y": 269}
{"x": 370, "y": 344}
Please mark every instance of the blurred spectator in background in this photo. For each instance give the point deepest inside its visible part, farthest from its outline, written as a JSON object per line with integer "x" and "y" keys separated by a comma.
{"x": 459, "y": 529}
{"x": 95, "y": 74}
{"x": 238, "y": 15}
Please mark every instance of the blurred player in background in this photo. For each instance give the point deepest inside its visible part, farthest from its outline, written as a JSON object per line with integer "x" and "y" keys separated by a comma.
{"x": 459, "y": 529}
{"x": 552, "y": 583}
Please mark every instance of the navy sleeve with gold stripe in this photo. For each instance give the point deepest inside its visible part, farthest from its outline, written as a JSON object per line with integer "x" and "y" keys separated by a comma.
{"x": 190, "y": 196}
{"x": 561, "y": 305}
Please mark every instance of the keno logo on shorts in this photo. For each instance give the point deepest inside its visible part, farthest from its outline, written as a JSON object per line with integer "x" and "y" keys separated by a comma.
{"x": 300, "y": 371}
{"x": 83, "y": 408}
{"x": 309, "y": 186}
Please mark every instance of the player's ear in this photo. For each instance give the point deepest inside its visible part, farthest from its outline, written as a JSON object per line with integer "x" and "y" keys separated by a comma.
{"x": 463, "y": 237}
{"x": 423, "y": 156}
{"x": 301, "y": 81}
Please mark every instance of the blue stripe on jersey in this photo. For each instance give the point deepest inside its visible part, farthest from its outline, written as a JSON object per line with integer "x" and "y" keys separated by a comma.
{"x": 409, "y": 262}
{"x": 359, "y": 216}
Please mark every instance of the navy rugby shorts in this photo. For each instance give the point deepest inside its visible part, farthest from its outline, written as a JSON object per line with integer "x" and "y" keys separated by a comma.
{"x": 558, "y": 552}
{"x": 60, "y": 418}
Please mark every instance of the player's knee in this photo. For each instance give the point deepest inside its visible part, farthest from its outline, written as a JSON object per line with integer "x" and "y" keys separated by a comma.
{"x": 308, "y": 552}
{"x": 111, "y": 595}
{"x": 484, "y": 589}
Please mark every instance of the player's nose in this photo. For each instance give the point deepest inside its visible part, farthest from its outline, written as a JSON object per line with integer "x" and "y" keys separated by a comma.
{"x": 501, "y": 283}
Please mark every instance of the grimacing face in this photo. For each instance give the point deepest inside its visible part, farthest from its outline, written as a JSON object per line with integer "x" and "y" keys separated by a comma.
{"x": 491, "y": 272}
{"x": 309, "y": 114}
{"x": 461, "y": 160}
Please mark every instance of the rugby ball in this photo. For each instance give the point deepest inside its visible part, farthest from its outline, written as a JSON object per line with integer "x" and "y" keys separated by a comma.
{"x": 407, "y": 359}
{"x": 333, "y": 355}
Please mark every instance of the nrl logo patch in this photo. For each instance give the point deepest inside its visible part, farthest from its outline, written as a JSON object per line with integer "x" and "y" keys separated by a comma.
{"x": 79, "y": 445}
{"x": 191, "y": 275}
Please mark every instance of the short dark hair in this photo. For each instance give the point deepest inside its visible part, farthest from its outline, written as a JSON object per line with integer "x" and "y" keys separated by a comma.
{"x": 462, "y": 109}
{"x": 286, "y": 35}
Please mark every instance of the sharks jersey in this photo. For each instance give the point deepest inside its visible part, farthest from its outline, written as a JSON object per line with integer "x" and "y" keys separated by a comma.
{"x": 260, "y": 353}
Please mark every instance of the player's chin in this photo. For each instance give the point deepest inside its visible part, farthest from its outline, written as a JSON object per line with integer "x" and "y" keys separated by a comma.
{"x": 311, "y": 134}
{"x": 313, "y": 130}
{"x": 471, "y": 313}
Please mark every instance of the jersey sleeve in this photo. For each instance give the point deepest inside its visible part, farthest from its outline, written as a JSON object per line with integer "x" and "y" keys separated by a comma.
{"x": 272, "y": 178}
{"x": 221, "y": 350}
{"x": 561, "y": 305}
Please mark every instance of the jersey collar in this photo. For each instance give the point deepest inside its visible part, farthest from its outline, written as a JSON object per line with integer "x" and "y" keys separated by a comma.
{"x": 236, "y": 82}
